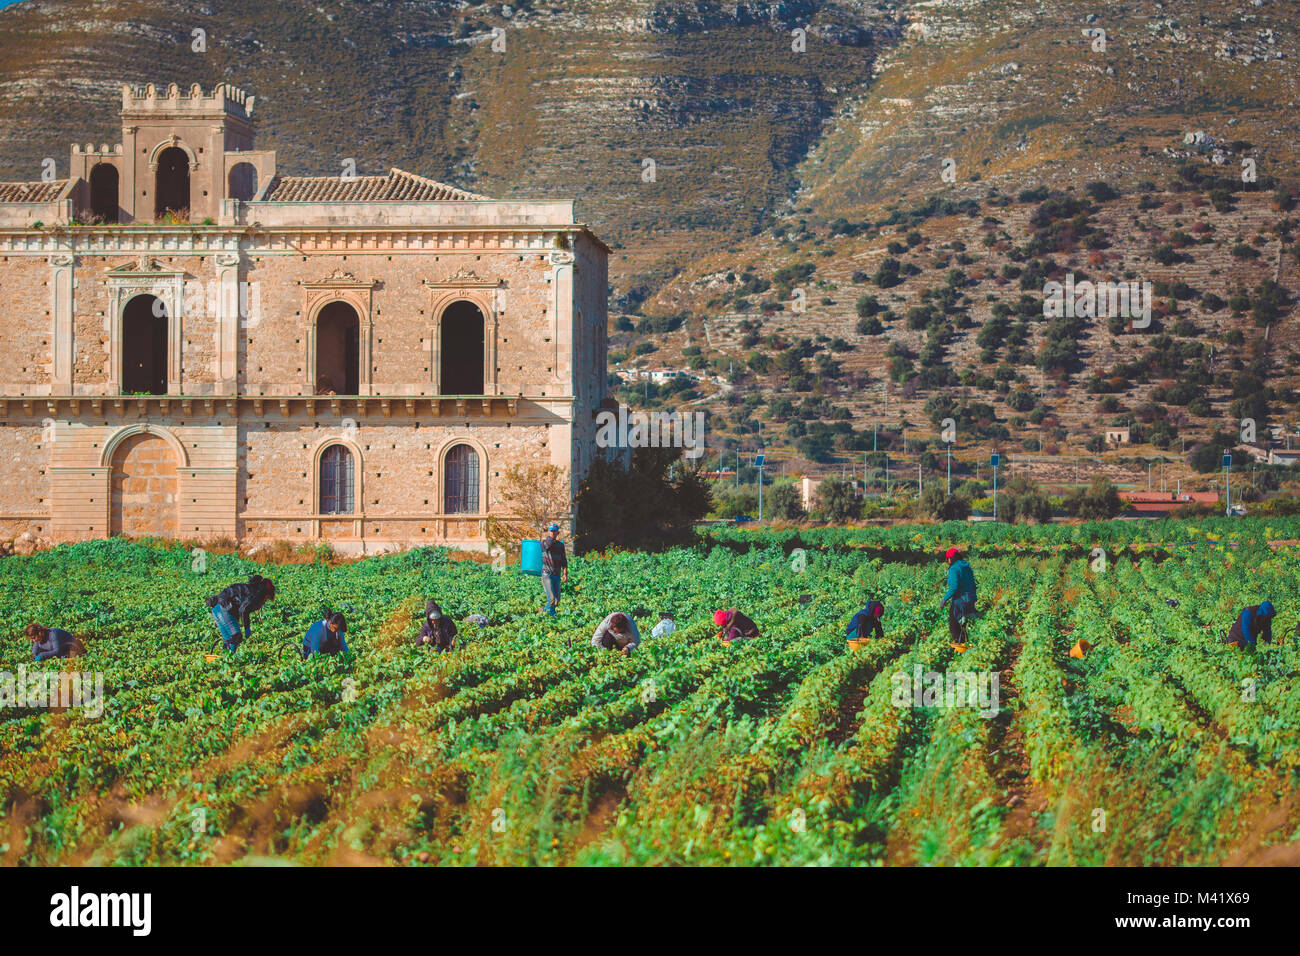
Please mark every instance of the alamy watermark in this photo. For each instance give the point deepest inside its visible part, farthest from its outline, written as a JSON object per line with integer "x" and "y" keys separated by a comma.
{"x": 211, "y": 298}
{"x": 946, "y": 690}
{"x": 131, "y": 911}
{"x": 651, "y": 430}
{"x": 1129, "y": 300}
{"x": 53, "y": 689}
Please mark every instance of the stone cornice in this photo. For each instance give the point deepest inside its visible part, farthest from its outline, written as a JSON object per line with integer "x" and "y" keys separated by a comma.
{"x": 453, "y": 408}
{"x": 165, "y": 240}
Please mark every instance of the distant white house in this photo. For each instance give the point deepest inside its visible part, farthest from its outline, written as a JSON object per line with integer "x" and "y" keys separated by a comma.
{"x": 661, "y": 376}
{"x": 657, "y": 376}
{"x": 1117, "y": 436}
{"x": 1277, "y": 456}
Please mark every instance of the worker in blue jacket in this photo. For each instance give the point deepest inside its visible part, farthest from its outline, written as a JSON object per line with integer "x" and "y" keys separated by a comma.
{"x": 961, "y": 592}
{"x": 1253, "y": 624}
{"x": 48, "y": 642}
{"x": 326, "y": 636}
{"x": 865, "y": 624}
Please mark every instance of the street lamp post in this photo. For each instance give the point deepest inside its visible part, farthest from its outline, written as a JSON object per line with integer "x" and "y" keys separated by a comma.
{"x": 1227, "y": 484}
{"x": 994, "y": 462}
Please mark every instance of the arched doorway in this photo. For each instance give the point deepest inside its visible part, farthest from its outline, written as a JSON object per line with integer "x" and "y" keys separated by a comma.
{"x": 103, "y": 193}
{"x": 172, "y": 184}
{"x": 143, "y": 488}
{"x": 144, "y": 346}
{"x": 242, "y": 182}
{"x": 461, "y": 350}
{"x": 338, "y": 350}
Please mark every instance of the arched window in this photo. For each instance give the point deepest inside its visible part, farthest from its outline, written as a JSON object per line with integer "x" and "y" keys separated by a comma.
{"x": 144, "y": 346}
{"x": 338, "y": 350}
{"x": 243, "y": 182}
{"x": 460, "y": 481}
{"x": 461, "y": 350}
{"x": 336, "y": 481}
{"x": 103, "y": 192}
{"x": 172, "y": 184}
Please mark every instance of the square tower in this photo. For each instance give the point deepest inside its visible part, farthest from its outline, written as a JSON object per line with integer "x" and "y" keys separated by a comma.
{"x": 181, "y": 156}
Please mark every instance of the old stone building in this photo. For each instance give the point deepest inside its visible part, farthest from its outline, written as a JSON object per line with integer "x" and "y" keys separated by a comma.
{"x": 197, "y": 346}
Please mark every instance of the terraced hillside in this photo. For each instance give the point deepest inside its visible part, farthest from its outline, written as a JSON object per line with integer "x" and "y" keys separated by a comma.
{"x": 579, "y": 97}
{"x": 1181, "y": 104}
{"x": 729, "y": 169}
{"x": 526, "y": 745}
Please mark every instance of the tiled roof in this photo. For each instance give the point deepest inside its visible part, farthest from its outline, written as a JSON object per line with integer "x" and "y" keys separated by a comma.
{"x": 397, "y": 186}
{"x": 32, "y": 192}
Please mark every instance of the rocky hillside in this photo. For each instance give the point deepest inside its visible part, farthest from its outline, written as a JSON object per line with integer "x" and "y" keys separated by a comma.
{"x": 1000, "y": 147}
{"x": 838, "y": 213}
{"x": 581, "y": 99}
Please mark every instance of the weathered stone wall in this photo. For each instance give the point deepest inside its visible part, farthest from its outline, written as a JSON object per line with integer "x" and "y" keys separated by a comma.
{"x": 24, "y": 335}
{"x": 203, "y": 467}
{"x": 143, "y": 488}
{"x": 25, "y": 492}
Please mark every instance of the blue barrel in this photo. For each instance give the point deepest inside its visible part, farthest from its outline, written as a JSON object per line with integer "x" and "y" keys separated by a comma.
{"x": 530, "y": 557}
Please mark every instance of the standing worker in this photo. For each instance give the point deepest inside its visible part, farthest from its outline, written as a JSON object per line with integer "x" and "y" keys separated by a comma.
{"x": 1253, "y": 624}
{"x": 961, "y": 592}
{"x": 555, "y": 567}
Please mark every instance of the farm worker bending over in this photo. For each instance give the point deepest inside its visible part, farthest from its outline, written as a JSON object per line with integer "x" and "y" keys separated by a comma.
{"x": 49, "y": 642}
{"x": 961, "y": 592}
{"x": 231, "y": 608}
{"x": 326, "y": 636}
{"x": 618, "y": 631}
{"x": 438, "y": 631}
{"x": 1253, "y": 624}
{"x": 665, "y": 625}
{"x": 555, "y": 567}
{"x": 734, "y": 626}
{"x": 864, "y": 624}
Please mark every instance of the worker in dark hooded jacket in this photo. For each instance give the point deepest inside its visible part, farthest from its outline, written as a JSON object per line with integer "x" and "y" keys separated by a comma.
{"x": 439, "y": 630}
{"x": 232, "y": 607}
{"x": 865, "y": 624}
{"x": 48, "y": 642}
{"x": 1253, "y": 624}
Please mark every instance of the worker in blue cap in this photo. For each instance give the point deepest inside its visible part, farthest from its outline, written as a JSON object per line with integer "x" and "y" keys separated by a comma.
{"x": 1252, "y": 625}
{"x": 555, "y": 567}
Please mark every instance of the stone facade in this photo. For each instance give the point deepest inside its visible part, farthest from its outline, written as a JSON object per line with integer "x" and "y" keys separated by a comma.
{"x": 184, "y": 346}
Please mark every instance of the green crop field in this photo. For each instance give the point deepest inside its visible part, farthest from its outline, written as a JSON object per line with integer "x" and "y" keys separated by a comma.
{"x": 528, "y": 746}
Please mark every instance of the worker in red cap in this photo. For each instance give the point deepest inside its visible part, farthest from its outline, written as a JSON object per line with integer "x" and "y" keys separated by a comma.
{"x": 961, "y": 592}
{"x": 734, "y": 626}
